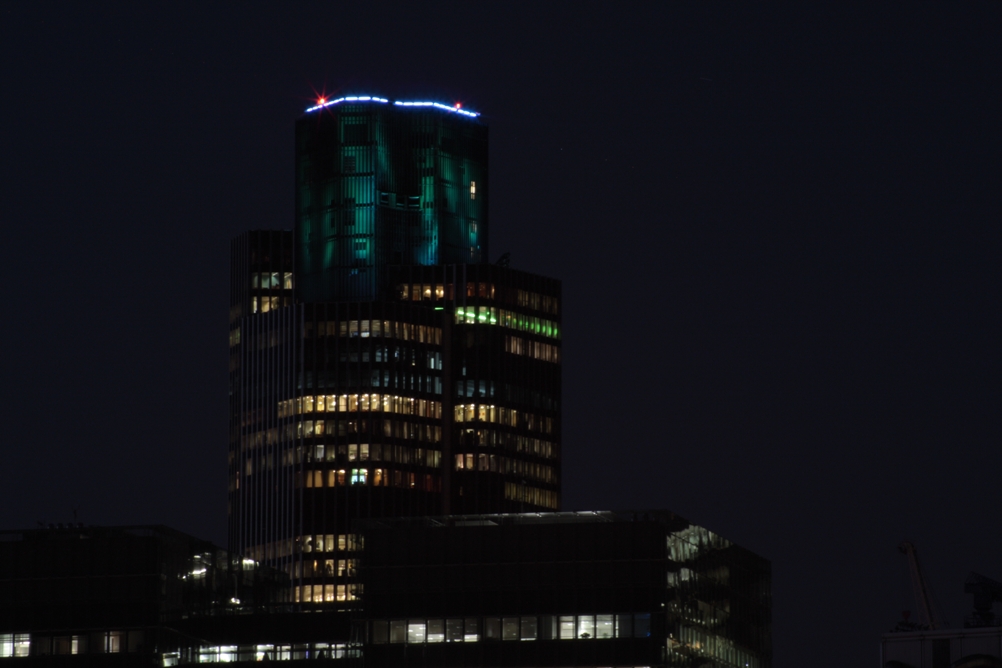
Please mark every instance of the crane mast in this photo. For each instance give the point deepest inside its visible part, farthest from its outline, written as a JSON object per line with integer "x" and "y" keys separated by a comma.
{"x": 928, "y": 617}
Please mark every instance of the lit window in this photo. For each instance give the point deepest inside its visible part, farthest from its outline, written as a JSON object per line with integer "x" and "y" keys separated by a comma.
{"x": 471, "y": 634}
{"x": 454, "y": 630}
{"x": 416, "y": 632}
{"x": 528, "y": 628}
{"x": 473, "y": 189}
{"x": 359, "y": 476}
{"x": 603, "y": 626}
{"x": 113, "y": 642}
{"x": 510, "y": 628}
{"x": 436, "y": 630}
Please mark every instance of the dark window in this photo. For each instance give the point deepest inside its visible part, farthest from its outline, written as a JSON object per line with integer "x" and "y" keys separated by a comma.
{"x": 356, "y": 134}
{"x": 380, "y": 633}
{"x": 642, "y": 626}
{"x": 349, "y": 163}
{"x": 492, "y": 628}
{"x": 941, "y": 653}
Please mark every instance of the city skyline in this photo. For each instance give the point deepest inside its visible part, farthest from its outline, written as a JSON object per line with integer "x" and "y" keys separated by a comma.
{"x": 783, "y": 214}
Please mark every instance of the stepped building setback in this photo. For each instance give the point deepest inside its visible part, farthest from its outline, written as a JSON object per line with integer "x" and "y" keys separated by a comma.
{"x": 394, "y": 459}
{"x": 379, "y": 366}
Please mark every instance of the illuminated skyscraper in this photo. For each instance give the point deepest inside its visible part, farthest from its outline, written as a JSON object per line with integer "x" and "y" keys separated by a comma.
{"x": 379, "y": 366}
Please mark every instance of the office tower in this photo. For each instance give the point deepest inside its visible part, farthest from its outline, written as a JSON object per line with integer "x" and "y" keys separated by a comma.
{"x": 389, "y": 370}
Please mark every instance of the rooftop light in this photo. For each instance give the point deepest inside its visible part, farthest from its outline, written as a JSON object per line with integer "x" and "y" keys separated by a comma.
{"x": 351, "y": 98}
{"x": 437, "y": 105}
{"x": 457, "y": 109}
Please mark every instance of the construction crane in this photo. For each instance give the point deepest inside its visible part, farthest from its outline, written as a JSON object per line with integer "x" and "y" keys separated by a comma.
{"x": 928, "y": 617}
{"x": 986, "y": 592}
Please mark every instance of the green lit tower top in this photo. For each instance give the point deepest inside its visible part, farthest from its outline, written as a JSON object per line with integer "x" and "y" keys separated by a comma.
{"x": 385, "y": 182}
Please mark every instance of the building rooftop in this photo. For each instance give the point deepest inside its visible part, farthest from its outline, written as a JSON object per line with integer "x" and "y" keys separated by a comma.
{"x": 508, "y": 519}
{"x": 454, "y": 109}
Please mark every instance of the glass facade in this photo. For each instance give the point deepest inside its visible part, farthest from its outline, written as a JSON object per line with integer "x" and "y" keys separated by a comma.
{"x": 264, "y": 349}
{"x": 395, "y": 407}
{"x": 500, "y": 401}
{"x": 379, "y": 184}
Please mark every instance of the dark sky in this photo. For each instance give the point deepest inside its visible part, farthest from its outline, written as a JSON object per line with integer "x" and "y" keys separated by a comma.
{"x": 777, "y": 229}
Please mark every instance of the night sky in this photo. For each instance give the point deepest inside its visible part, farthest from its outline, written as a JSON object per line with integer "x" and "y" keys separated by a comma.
{"x": 777, "y": 230}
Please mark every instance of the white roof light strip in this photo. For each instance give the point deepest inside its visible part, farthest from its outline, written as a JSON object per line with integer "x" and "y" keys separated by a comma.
{"x": 437, "y": 105}
{"x": 361, "y": 98}
{"x": 399, "y": 103}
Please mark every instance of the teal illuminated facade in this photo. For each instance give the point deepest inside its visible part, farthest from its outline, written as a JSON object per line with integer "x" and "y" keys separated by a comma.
{"x": 382, "y": 183}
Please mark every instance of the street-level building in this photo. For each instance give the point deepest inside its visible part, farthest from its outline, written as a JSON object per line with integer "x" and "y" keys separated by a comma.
{"x": 540, "y": 590}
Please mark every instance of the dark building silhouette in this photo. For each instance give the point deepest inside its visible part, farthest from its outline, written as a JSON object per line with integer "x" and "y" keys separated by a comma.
{"x": 121, "y": 595}
{"x": 930, "y": 643}
{"x": 533, "y": 589}
{"x": 560, "y": 589}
